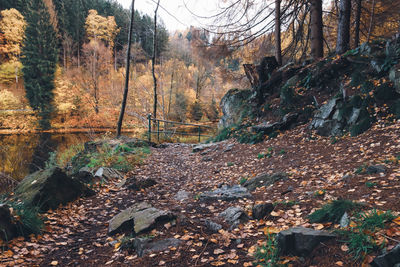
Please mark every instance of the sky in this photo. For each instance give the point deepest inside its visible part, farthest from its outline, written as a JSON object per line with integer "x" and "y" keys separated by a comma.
{"x": 181, "y": 18}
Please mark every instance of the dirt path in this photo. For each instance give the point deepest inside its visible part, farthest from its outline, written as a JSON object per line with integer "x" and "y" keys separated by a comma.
{"x": 76, "y": 235}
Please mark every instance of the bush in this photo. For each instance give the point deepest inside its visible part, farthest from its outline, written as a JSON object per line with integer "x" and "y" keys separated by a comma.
{"x": 212, "y": 112}
{"x": 196, "y": 111}
{"x": 8, "y": 100}
{"x": 7, "y": 71}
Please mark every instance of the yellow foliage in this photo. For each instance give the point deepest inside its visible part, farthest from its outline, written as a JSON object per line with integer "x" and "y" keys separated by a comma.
{"x": 101, "y": 28}
{"x": 12, "y": 26}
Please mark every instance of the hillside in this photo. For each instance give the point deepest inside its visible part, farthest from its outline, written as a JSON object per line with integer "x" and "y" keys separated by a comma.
{"x": 314, "y": 165}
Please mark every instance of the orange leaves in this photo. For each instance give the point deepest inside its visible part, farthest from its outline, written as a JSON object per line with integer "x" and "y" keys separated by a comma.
{"x": 397, "y": 221}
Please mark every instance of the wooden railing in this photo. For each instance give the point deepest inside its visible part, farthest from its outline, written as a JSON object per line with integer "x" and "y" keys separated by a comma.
{"x": 168, "y": 129}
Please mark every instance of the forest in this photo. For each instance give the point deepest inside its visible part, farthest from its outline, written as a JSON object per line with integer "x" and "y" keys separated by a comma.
{"x": 195, "y": 67}
{"x": 294, "y": 110}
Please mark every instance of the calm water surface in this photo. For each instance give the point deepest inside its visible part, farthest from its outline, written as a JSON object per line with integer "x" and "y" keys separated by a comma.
{"x": 21, "y": 154}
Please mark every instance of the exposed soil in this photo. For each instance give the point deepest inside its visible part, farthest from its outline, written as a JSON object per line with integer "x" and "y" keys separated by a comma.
{"x": 76, "y": 235}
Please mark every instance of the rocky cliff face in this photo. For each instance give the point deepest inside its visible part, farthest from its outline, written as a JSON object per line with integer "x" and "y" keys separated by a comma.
{"x": 336, "y": 95}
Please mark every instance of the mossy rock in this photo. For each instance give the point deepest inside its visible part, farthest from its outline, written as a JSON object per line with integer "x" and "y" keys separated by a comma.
{"x": 395, "y": 108}
{"x": 361, "y": 126}
{"x": 49, "y": 188}
{"x": 386, "y": 92}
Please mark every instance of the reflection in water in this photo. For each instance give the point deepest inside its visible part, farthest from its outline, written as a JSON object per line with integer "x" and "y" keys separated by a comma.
{"x": 41, "y": 154}
{"x": 21, "y": 154}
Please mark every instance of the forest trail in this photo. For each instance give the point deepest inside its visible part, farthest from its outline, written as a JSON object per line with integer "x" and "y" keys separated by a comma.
{"x": 76, "y": 234}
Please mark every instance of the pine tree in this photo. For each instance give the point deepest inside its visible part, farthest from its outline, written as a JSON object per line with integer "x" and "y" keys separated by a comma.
{"x": 39, "y": 60}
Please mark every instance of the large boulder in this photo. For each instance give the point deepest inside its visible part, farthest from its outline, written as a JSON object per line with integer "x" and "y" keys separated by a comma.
{"x": 389, "y": 259}
{"x": 285, "y": 123}
{"x": 264, "y": 180}
{"x": 139, "y": 218}
{"x": 234, "y": 216}
{"x": 339, "y": 115}
{"x": 394, "y": 76}
{"x": 300, "y": 241}
{"x": 49, "y": 188}
{"x": 234, "y": 105}
{"x": 226, "y": 193}
{"x": 8, "y": 229}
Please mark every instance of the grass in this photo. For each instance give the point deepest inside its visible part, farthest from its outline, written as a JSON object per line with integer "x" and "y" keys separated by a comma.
{"x": 361, "y": 169}
{"x": 267, "y": 255}
{"x": 333, "y": 211}
{"x": 230, "y": 164}
{"x": 360, "y": 236}
{"x": 27, "y": 218}
{"x": 122, "y": 157}
{"x": 373, "y": 220}
{"x": 242, "y": 180}
{"x": 370, "y": 184}
{"x": 288, "y": 203}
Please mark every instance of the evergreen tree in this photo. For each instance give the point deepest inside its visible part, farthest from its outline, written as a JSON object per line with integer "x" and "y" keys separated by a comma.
{"x": 39, "y": 60}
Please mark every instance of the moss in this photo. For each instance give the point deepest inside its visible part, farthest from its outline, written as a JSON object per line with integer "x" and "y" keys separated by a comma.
{"x": 385, "y": 92}
{"x": 333, "y": 211}
{"x": 395, "y": 108}
{"x": 361, "y": 127}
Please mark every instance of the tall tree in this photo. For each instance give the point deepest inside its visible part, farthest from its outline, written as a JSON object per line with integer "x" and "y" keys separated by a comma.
{"x": 317, "y": 38}
{"x": 153, "y": 60}
{"x": 128, "y": 60}
{"x": 278, "y": 45}
{"x": 39, "y": 60}
{"x": 357, "y": 21}
{"x": 343, "y": 32}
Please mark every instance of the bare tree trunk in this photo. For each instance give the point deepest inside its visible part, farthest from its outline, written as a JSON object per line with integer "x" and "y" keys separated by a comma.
{"x": 317, "y": 38}
{"x": 343, "y": 32}
{"x": 128, "y": 60}
{"x": 371, "y": 21}
{"x": 170, "y": 94}
{"x": 278, "y": 46}
{"x": 357, "y": 24}
{"x": 153, "y": 61}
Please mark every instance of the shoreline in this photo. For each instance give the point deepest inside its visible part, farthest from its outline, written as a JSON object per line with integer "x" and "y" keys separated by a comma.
{"x": 67, "y": 130}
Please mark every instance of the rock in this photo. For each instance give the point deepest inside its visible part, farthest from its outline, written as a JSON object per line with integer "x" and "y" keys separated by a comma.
{"x": 376, "y": 169}
{"x": 327, "y": 109}
{"x": 234, "y": 216}
{"x": 137, "y": 185}
{"x": 345, "y": 220}
{"x": 84, "y": 175}
{"x": 140, "y": 218}
{"x": 212, "y": 226}
{"x": 145, "y": 246}
{"x": 108, "y": 173}
{"x": 49, "y": 188}
{"x": 394, "y": 76}
{"x": 389, "y": 259}
{"x": 264, "y": 180}
{"x": 226, "y": 193}
{"x": 202, "y": 147}
{"x": 182, "y": 195}
{"x": 206, "y": 159}
{"x": 285, "y": 123}
{"x": 234, "y": 106}
{"x": 299, "y": 241}
{"x": 228, "y": 147}
{"x": 8, "y": 229}
{"x": 261, "y": 210}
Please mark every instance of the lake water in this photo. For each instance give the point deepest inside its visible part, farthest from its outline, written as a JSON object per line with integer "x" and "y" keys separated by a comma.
{"x": 21, "y": 154}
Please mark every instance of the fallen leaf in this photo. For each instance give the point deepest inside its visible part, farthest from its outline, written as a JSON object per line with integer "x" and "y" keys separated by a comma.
{"x": 217, "y": 263}
{"x": 344, "y": 248}
{"x": 218, "y": 251}
{"x": 54, "y": 263}
{"x": 339, "y": 263}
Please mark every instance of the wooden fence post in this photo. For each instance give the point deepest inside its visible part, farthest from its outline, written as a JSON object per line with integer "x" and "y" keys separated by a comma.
{"x": 149, "y": 117}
